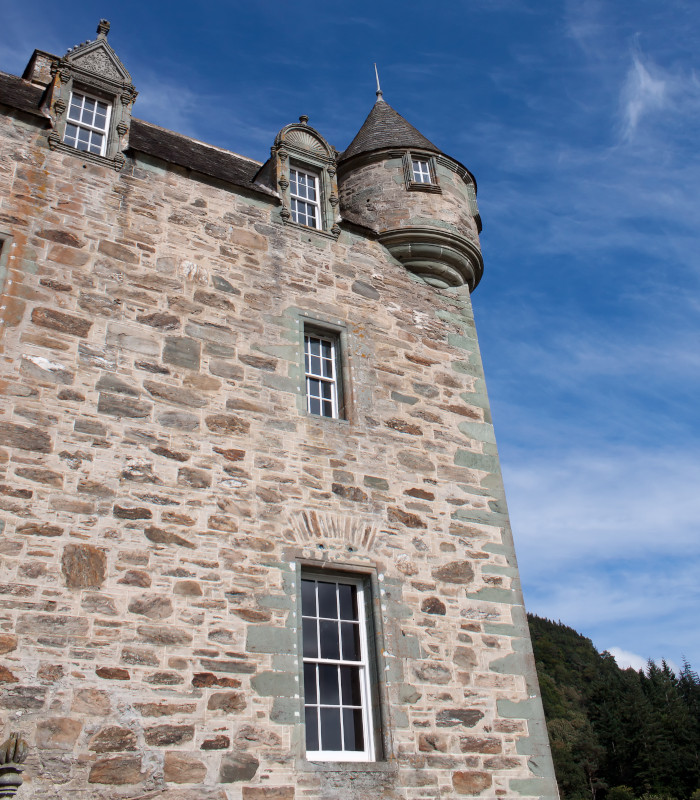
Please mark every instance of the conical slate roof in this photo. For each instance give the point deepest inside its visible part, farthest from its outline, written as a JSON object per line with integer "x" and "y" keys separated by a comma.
{"x": 385, "y": 127}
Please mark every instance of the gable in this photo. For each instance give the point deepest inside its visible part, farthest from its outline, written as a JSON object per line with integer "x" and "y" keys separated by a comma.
{"x": 98, "y": 58}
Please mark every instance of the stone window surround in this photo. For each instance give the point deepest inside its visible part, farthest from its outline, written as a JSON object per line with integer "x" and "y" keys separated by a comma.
{"x": 300, "y": 146}
{"x": 6, "y": 244}
{"x": 308, "y": 322}
{"x": 333, "y": 382}
{"x": 357, "y": 662}
{"x": 380, "y": 701}
{"x": 120, "y": 108}
{"x": 413, "y": 185}
{"x": 92, "y": 69}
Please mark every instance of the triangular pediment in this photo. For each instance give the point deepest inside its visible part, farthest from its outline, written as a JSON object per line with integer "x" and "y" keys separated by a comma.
{"x": 99, "y": 59}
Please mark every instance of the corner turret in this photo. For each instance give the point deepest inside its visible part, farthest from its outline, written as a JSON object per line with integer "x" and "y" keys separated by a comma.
{"x": 420, "y": 202}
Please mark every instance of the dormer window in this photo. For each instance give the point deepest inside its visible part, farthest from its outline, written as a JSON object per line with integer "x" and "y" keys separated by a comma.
{"x": 304, "y": 198}
{"x": 420, "y": 172}
{"x": 87, "y": 124}
{"x": 303, "y": 168}
{"x": 90, "y": 100}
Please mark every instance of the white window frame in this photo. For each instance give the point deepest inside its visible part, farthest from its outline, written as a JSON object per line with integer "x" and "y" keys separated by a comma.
{"x": 332, "y": 381}
{"x": 422, "y": 172}
{"x": 364, "y": 666}
{"x": 84, "y": 126}
{"x": 300, "y": 198}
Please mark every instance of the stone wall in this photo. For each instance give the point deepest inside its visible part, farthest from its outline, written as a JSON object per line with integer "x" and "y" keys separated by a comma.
{"x": 161, "y": 484}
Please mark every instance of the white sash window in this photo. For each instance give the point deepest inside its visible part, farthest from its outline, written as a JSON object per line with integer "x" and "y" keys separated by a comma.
{"x": 337, "y": 689}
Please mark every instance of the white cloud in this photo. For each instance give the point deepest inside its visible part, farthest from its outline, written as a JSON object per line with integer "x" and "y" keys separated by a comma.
{"x": 625, "y": 659}
{"x": 641, "y": 94}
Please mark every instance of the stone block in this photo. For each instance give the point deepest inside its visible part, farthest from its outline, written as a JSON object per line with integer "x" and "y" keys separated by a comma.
{"x": 238, "y": 767}
{"x": 226, "y": 702}
{"x": 83, "y": 566}
{"x": 183, "y": 768}
{"x": 112, "y": 739}
{"x": 34, "y": 439}
{"x": 164, "y": 735}
{"x": 116, "y": 771}
{"x": 57, "y": 733}
{"x": 61, "y": 322}
{"x": 471, "y": 782}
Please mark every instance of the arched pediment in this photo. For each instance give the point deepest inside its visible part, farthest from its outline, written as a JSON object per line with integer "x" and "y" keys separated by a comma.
{"x": 301, "y": 138}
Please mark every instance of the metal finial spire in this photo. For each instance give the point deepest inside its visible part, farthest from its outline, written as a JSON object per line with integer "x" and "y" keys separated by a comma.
{"x": 379, "y": 88}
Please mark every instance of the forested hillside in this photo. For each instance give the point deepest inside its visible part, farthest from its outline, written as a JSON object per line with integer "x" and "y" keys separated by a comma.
{"x": 616, "y": 734}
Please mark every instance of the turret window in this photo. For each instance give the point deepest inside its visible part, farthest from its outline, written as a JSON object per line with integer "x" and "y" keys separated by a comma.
{"x": 304, "y": 197}
{"x": 421, "y": 171}
{"x": 87, "y": 124}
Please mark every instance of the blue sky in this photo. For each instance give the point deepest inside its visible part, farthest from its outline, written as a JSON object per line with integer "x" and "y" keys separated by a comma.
{"x": 580, "y": 121}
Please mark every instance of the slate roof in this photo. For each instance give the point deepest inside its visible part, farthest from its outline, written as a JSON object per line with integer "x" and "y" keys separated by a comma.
{"x": 383, "y": 128}
{"x": 193, "y": 154}
{"x": 152, "y": 140}
{"x": 19, "y": 94}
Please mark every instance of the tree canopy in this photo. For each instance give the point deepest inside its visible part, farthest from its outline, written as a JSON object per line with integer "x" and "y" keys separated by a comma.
{"x": 616, "y": 734}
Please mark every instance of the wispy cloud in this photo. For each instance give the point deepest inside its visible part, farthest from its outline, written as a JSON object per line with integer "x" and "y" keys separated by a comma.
{"x": 642, "y": 94}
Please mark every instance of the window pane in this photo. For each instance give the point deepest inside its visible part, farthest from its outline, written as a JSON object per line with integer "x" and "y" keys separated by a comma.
{"x": 347, "y": 595}
{"x": 314, "y": 406}
{"x": 330, "y": 729}
{"x": 71, "y": 134}
{"x": 310, "y": 638}
{"x": 350, "y": 633}
{"x": 350, "y": 686}
{"x": 311, "y": 729}
{"x": 327, "y": 604}
{"x": 308, "y": 598}
{"x": 326, "y": 391}
{"x": 310, "y": 683}
{"x": 328, "y": 684}
{"x": 330, "y": 645}
{"x": 315, "y": 365}
{"x": 328, "y": 409}
{"x": 353, "y": 736}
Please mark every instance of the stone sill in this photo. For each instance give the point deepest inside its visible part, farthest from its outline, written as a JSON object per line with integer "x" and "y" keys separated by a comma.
{"x": 344, "y": 767}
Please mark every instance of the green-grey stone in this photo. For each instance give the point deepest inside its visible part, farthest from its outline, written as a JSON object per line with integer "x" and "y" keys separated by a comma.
{"x": 223, "y": 285}
{"x": 466, "y": 458}
{"x": 285, "y": 711}
{"x": 182, "y": 351}
{"x": 534, "y": 787}
{"x": 404, "y": 398}
{"x": 268, "y": 639}
{"x": 495, "y": 595}
{"x": 376, "y": 483}
{"x": 275, "y": 684}
{"x": 481, "y": 431}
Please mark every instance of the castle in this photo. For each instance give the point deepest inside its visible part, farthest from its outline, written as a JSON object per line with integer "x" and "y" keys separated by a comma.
{"x": 254, "y": 540}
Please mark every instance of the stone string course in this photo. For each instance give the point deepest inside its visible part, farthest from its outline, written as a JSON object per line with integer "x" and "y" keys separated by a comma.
{"x": 160, "y": 483}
